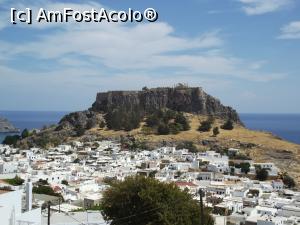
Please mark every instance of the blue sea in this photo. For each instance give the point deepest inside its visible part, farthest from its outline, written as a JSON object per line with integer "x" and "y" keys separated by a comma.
{"x": 286, "y": 126}
{"x": 30, "y": 119}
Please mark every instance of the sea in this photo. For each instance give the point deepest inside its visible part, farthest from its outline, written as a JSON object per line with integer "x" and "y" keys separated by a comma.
{"x": 30, "y": 119}
{"x": 286, "y": 126}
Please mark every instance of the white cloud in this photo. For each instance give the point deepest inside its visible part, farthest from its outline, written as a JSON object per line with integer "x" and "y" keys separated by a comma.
{"x": 86, "y": 54}
{"x": 291, "y": 31}
{"x": 259, "y": 7}
{"x": 144, "y": 47}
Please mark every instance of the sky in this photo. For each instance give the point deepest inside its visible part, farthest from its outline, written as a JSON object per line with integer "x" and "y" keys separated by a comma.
{"x": 244, "y": 52}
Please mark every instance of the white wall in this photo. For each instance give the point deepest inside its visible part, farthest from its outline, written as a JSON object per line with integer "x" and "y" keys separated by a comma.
{"x": 10, "y": 204}
{"x": 34, "y": 216}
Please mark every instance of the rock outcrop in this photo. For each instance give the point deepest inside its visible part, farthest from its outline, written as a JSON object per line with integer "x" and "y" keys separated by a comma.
{"x": 186, "y": 99}
{"x": 85, "y": 119}
{"x": 7, "y": 127}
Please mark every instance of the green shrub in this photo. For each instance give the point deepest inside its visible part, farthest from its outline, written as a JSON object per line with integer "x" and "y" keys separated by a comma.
{"x": 123, "y": 119}
{"x": 25, "y": 134}
{"x": 16, "y": 181}
{"x": 163, "y": 129}
{"x": 245, "y": 167}
{"x": 11, "y": 140}
{"x": 65, "y": 182}
{"x": 183, "y": 121}
{"x": 288, "y": 181}
{"x": 205, "y": 126}
{"x": 167, "y": 122}
{"x": 187, "y": 145}
{"x": 44, "y": 189}
{"x": 216, "y": 131}
{"x": 262, "y": 174}
{"x": 228, "y": 125}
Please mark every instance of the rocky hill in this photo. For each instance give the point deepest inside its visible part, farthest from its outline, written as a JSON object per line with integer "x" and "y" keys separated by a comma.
{"x": 197, "y": 105}
{"x": 181, "y": 98}
{"x": 6, "y": 126}
{"x": 185, "y": 99}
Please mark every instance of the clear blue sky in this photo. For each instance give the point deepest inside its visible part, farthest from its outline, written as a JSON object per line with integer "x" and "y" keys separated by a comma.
{"x": 244, "y": 52}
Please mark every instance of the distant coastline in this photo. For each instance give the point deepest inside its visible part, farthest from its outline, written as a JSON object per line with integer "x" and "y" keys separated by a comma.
{"x": 30, "y": 120}
{"x": 285, "y": 126}
{"x": 7, "y": 127}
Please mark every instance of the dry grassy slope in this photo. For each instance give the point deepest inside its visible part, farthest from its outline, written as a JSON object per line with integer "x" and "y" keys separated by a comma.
{"x": 284, "y": 154}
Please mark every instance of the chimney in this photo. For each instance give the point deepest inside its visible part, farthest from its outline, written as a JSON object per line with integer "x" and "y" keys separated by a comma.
{"x": 28, "y": 195}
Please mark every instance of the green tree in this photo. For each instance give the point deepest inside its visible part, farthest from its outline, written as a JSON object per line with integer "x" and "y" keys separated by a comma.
{"x": 76, "y": 161}
{"x": 168, "y": 115}
{"x": 228, "y": 125}
{"x": 122, "y": 118}
{"x": 262, "y": 174}
{"x": 167, "y": 121}
{"x": 175, "y": 128}
{"x": 152, "y": 120}
{"x": 146, "y": 201}
{"x": 205, "y": 126}
{"x": 79, "y": 130}
{"x": 232, "y": 171}
{"x": 163, "y": 129}
{"x": 188, "y": 145}
{"x": 42, "y": 182}
{"x": 216, "y": 131}
{"x": 25, "y": 134}
{"x": 288, "y": 181}
{"x": 90, "y": 124}
{"x": 181, "y": 119}
{"x": 65, "y": 182}
{"x": 245, "y": 167}
{"x": 11, "y": 140}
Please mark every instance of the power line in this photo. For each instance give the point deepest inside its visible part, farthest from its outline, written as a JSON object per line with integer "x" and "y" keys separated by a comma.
{"x": 137, "y": 214}
{"x": 141, "y": 213}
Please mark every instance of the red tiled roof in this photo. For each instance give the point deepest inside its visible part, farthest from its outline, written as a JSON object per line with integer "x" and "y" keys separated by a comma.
{"x": 183, "y": 183}
{"x": 57, "y": 189}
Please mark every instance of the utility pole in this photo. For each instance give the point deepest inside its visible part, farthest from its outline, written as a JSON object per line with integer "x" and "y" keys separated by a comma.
{"x": 59, "y": 205}
{"x": 87, "y": 217}
{"x": 201, "y": 193}
{"x": 49, "y": 212}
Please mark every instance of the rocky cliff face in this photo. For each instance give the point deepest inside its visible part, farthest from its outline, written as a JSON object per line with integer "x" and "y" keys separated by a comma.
{"x": 186, "y": 99}
{"x": 6, "y": 126}
{"x": 85, "y": 119}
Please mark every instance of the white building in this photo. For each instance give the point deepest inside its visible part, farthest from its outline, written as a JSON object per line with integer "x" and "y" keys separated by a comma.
{"x": 8, "y": 167}
{"x": 271, "y": 220}
{"x": 272, "y": 169}
{"x": 11, "y": 212}
{"x": 277, "y": 185}
{"x": 215, "y": 161}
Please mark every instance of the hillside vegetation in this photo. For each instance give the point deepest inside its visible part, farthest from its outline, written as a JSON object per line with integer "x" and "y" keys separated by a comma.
{"x": 168, "y": 116}
{"x": 260, "y": 146}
